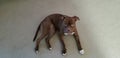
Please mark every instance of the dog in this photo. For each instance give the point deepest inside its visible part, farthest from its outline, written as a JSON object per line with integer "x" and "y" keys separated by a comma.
{"x": 63, "y": 25}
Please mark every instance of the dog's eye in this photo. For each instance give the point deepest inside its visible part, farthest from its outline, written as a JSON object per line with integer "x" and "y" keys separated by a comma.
{"x": 65, "y": 26}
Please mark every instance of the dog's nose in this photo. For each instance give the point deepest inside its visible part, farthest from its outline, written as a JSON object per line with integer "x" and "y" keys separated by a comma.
{"x": 68, "y": 30}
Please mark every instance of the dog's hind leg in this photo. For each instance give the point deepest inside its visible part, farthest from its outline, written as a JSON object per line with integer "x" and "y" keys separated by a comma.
{"x": 38, "y": 41}
{"x": 45, "y": 30}
{"x": 52, "y": 31}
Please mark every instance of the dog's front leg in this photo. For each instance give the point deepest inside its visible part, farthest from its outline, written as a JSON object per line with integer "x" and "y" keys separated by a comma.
{"x": 63, "y": 44}
{"x": 81, "y": 51}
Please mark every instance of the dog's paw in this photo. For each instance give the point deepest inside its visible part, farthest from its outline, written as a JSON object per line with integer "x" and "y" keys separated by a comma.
{"x": 82, "y": 51}
{"x": 36, "y": 52}
{"x": 64, "y": 52}
{"x": 50, "y": 48}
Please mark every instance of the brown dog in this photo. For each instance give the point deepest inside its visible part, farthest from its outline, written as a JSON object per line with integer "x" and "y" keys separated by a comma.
{"x": 64, "y": 25}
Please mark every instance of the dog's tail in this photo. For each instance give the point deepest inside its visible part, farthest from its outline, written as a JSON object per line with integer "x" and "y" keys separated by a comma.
{"x": 37, "y": 32}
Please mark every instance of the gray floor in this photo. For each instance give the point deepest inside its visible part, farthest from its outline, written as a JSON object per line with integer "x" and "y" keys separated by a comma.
{"x": 99, "y": 28}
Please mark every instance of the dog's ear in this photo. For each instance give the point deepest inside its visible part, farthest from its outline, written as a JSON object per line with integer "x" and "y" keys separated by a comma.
{"x": 63, "y": 18}
{"x": 76, "y": 18}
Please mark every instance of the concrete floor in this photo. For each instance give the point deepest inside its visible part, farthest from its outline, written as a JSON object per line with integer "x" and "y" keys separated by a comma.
{"x": 99, "y": 28}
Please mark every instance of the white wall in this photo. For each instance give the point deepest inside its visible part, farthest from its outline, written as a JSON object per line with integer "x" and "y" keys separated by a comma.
{"x": 99, "y": 28}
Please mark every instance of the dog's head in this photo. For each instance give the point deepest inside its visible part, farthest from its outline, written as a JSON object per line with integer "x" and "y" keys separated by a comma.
{"x": 69, "y": 25}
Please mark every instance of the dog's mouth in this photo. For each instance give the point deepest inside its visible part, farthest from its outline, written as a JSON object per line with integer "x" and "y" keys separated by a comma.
{"x": 69, "y": 33}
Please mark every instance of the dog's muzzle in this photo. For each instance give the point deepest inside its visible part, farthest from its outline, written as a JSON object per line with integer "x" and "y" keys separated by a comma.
{"x": 69, "y": 33}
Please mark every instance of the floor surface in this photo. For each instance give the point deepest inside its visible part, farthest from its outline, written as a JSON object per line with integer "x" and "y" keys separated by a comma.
{"x": 99, "y": 28}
